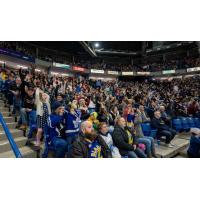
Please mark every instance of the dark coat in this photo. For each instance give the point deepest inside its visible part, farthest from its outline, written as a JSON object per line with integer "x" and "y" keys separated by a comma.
{"x": 120, "y": 139}
{"x": 80, "y": 148}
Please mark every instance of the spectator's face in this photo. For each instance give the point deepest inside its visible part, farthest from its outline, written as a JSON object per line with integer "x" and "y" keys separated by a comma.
{"x": 59, "y": 98}
{"x": 44, "y": 96}
{"x": 141, "y": 108}
{"x": 157, "y": 114}
{"x": 30, "y": 92}
{"x": 18, "y": 81}
{"x": 60, "y": 111}
{"x": 88, "y": 129}
{"x": 104, "y": 129}
{"x": 122, "y": 122}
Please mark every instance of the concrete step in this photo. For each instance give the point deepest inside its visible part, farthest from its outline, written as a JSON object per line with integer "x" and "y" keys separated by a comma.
{"x": 184, "y": 135}
{"x": 179, "y": 156}
{"x": 183, "y": 153}
{"x": 5, "y": 145}
{"x": 15, "y": 133}
{"x": 11, "y": 125}
{"x": 165, "y": 152}
{"x": 4, "y": 109}
{"x": 9, "y": 119}
{"x": 5, "y": 114}
{"x": 25, "y": 151}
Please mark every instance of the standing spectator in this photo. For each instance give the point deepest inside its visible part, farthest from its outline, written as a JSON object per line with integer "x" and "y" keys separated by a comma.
{"x": 56, "y": 130}
{"x": 43, "y": 110}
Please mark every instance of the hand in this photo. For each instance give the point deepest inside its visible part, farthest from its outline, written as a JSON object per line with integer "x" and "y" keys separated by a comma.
{"x": 134, "y": 146}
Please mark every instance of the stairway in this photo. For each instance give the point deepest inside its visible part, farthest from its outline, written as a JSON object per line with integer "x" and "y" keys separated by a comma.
{"x": 5, "y": 148}
{"x": 179, "y": 151}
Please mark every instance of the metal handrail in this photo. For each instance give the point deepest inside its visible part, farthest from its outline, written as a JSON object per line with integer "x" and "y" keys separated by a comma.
{"x": 10, "y": 138}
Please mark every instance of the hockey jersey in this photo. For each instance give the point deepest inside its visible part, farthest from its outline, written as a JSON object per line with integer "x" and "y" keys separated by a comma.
{"x": 55, "y": 127}
{"x": 72, "y": 122}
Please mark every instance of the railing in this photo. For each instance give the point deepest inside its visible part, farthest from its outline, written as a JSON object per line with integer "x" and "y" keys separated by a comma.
{"x": 10, "y": 138}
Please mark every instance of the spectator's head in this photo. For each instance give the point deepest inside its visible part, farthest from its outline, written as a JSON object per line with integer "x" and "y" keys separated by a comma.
{"x": 18, "y": 81}
{"x": 30, "y": 91}
{"x": 162, "y": 108}
{"x": 58, "y": 108}
{"x": 157, "y": 114}
{"x": 43, "y": 96}
{"x": 88, "y": 130}
{"x": 59, "y": 97}
{"x": 121, "y": 122}
{"x": 93, "y": 116}
{"x": 141, "y": 108}
{"x": 103, "y": 127}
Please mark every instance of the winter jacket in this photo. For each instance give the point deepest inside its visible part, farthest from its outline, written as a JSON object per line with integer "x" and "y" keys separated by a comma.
{"x": 121, "y": 139}
{"x": 80, "y": 148}
{"x": 109, "y": 141}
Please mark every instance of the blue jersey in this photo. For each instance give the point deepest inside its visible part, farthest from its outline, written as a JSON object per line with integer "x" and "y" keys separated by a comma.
{"x": 55, "y": 126}
{"x": 72, "y": 122}
{"x": 95, "y": 149}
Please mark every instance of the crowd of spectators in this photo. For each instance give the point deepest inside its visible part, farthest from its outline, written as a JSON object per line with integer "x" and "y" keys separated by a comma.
{"x": 88, "y": 118}
{"x": 51, "y": 56}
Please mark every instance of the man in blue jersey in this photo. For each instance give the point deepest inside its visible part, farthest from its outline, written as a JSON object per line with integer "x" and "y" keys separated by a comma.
{"x": 56, "y": 131}
{"x": 72, "y": 125}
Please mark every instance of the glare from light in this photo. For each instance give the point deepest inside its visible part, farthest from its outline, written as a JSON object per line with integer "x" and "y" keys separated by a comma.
{"x": 96, "y": 45}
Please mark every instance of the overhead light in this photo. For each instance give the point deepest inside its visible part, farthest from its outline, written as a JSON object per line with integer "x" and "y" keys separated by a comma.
{"x": 96, "y": 44}
{"x": 21, "y": 66}
{"x": 2, "y": 62}
{"x": 37, "y": 70}
{"x": 54, "y": 73}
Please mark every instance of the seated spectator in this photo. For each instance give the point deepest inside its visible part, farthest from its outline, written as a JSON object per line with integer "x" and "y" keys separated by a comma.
{"x": 59, "y": 99}
{"x": 144, "y": 116}
{"x": 103, "y": 131}
{"x": 165, "y": 117}
{"x": 89, "y": 144}
{"x": 104, "y": 116}
{"x": 114, "y": 114}
{"x": 194, "y": 148}
{"x": 93, "y": 119}
{"x": 56, "y": 130}
{"x": 124, "y": 140}
{"x": 140, "y": 138}
{"x": 28, "y": 112}
{"x": 163, "y": 129}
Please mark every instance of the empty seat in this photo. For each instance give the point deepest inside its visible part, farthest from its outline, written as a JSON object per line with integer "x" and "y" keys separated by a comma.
{"x": 197, "y": 122}
{"x": 176, "y": 123}
{"x": 148, "y": 131}
{"x": 185, "y": 124}
{"x": 190, "y": 122}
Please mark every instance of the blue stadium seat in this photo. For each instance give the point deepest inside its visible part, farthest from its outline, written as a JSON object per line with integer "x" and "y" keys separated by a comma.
{"x": 176, "y": 123}
{"x": 191, "y": 123}
{"x": 197, "y": 122}
{"x": 148, "y": 131}
{"x": 185, "y": 124}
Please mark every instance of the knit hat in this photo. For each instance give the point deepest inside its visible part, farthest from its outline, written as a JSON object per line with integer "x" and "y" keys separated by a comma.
{"x": 56, "y": 105}
{"x": 95, "y": 114}
{"x": 195, "y": 131}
